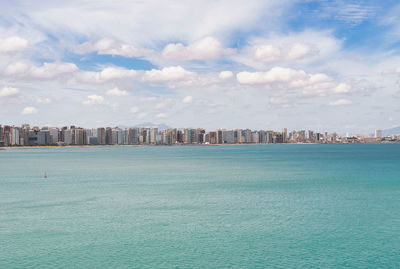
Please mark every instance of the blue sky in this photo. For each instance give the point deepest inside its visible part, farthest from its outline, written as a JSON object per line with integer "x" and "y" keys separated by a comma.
{"x": 319, "y": 65}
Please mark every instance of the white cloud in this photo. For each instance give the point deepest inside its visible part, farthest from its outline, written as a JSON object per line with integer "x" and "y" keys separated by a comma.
{"x": 225, "y": 74}
{"x": 187, "y": 100}
{"x": 319, "y": 84}
{"x": 307, "y": 46}
{"x": 111, "y": 47}
{"x": 299, "y": 51}
{"x": 29, "y": 110}
{"x": 184, "y": 21}
{"x": 207, "y": 48}
{"x": 161, "y": 115}
{"x": 342, "y": 88}
{"x": 172, "y": 73}
{"x": 161, "y": 105}
{"x": 267, "y": 53}
{"x": 16, "y": 68}
{"x": 12, "y": 44}
{"x": 148, "y": 99}
{"x": 117, "y": 92}
{"x": 319, "y": 78}
{"x": 106, "y": 75}
{"x": 52, "y": 70}
{"x": 8, "y": 92}
{"x": 134, "y": 109}
{"x": 274, "y": 75}
{"x": 45, "y": 101}
{"x": 94, "y": 100}
{"x": 340, "y": 102}
{"x": 49, "y": 71}
{"x": 141, "y": 115}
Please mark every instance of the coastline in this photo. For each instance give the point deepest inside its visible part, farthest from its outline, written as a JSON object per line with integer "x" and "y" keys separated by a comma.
{"x": 153, "y": 145}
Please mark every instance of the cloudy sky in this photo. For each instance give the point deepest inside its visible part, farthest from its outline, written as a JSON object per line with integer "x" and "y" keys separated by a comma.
{"x": 320, "y": 65}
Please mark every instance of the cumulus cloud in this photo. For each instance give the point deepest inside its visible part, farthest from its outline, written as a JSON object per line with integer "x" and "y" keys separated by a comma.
{"x": 134, "y": 109}
{"x": 16, "y": 68}
{"x": 274, "y": 75}
{"x": 340, "y": 102}
{"x": 117, "y": 92}
{"x": 207, "y": 48}
{"x": 342, "y": 88}
{"x": 299, "y": 51}
{"x": 94, "y": 100}
{"x": 29, "y": 110}
{"x": 295, "y": 46}
{"x": 161, "y": 105}
{"x": 141, "y": 115}
{"x": 172, "y": 73}
{"x": 106, "y": 75}
{"x": 267, "y": 53}
{"x": 111, "y": 47}
{"x": 187, "y": 100}
{"x": 319, "y": 84}
{"x": 225, "y": 74}
{"x": 148, "y": 99}
{"x": 8, "y": 92}
{"x": 52, "y": 70}
{"x": 161, "y": 115}
{"x": 44, "y": 101}
{"x": 319, "y": 78}
{"x": 13, "y": 44}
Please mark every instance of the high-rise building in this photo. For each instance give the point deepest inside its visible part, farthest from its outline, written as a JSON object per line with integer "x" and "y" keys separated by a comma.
{"x": 54, "y": 135}
{"x": 133, "y": 136}
{"x": 284, "y": 135}
{"x": 153, "y": 135}
{"x": 101, "y": 136}
{"x": 15, "y": 136}
{"x": 378, "y": 134}
{"x": 125, "y": 136}
{"x": 255, "y": 137}
{"x": 213, "y": 137}
{"x": 108, "y": 136}
{"x": 228, "y": 137}
{"x": 39, "y": 137}
{"x": 80, "y": 136}
{"x": 269, "y": 137}
{"x": 67, "y": 137}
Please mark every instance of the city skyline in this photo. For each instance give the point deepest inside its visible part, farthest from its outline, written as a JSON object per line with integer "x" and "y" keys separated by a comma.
{"x": 25, "y": 135}
{"x": 318, "y": 65}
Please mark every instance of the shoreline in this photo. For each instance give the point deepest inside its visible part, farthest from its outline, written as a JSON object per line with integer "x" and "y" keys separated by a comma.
{"x": 152, "y": 145}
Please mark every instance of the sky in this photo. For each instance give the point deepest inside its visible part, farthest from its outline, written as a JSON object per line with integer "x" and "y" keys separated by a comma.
{"x": 260, "y": 64}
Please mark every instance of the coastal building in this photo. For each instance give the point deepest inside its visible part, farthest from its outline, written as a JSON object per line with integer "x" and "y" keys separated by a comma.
{"x": 125, "y": 136}
{"x": 80, "y": 137}
{"x": 15, "y": 136}
{"x": 67, "y": 137}
{"x": 54, "y": 135}
{"x": 378, "y": 134}
{"x": 39, "y": 137}
{"x": 108, "y": 136}
{"x": 228, "y": 137}
{"x": 213, "y": 137}
{"x": 24, "y": 135}
{"x": 101, "y": 136}
{"x": 284, "y": 135}
{"x": 133, "y": 136}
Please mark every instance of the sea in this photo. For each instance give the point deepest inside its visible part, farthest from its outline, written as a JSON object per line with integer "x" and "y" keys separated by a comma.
{"x": 235, "y": 206}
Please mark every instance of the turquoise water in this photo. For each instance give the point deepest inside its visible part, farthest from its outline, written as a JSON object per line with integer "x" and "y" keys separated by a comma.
{"x": 256, "y": 206}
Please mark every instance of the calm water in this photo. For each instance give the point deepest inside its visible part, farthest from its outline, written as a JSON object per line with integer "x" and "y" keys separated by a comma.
{"x": 256, "y": 206}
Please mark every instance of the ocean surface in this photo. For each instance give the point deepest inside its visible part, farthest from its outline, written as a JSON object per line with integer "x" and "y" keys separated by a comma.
{"x": 246, "y": 206}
